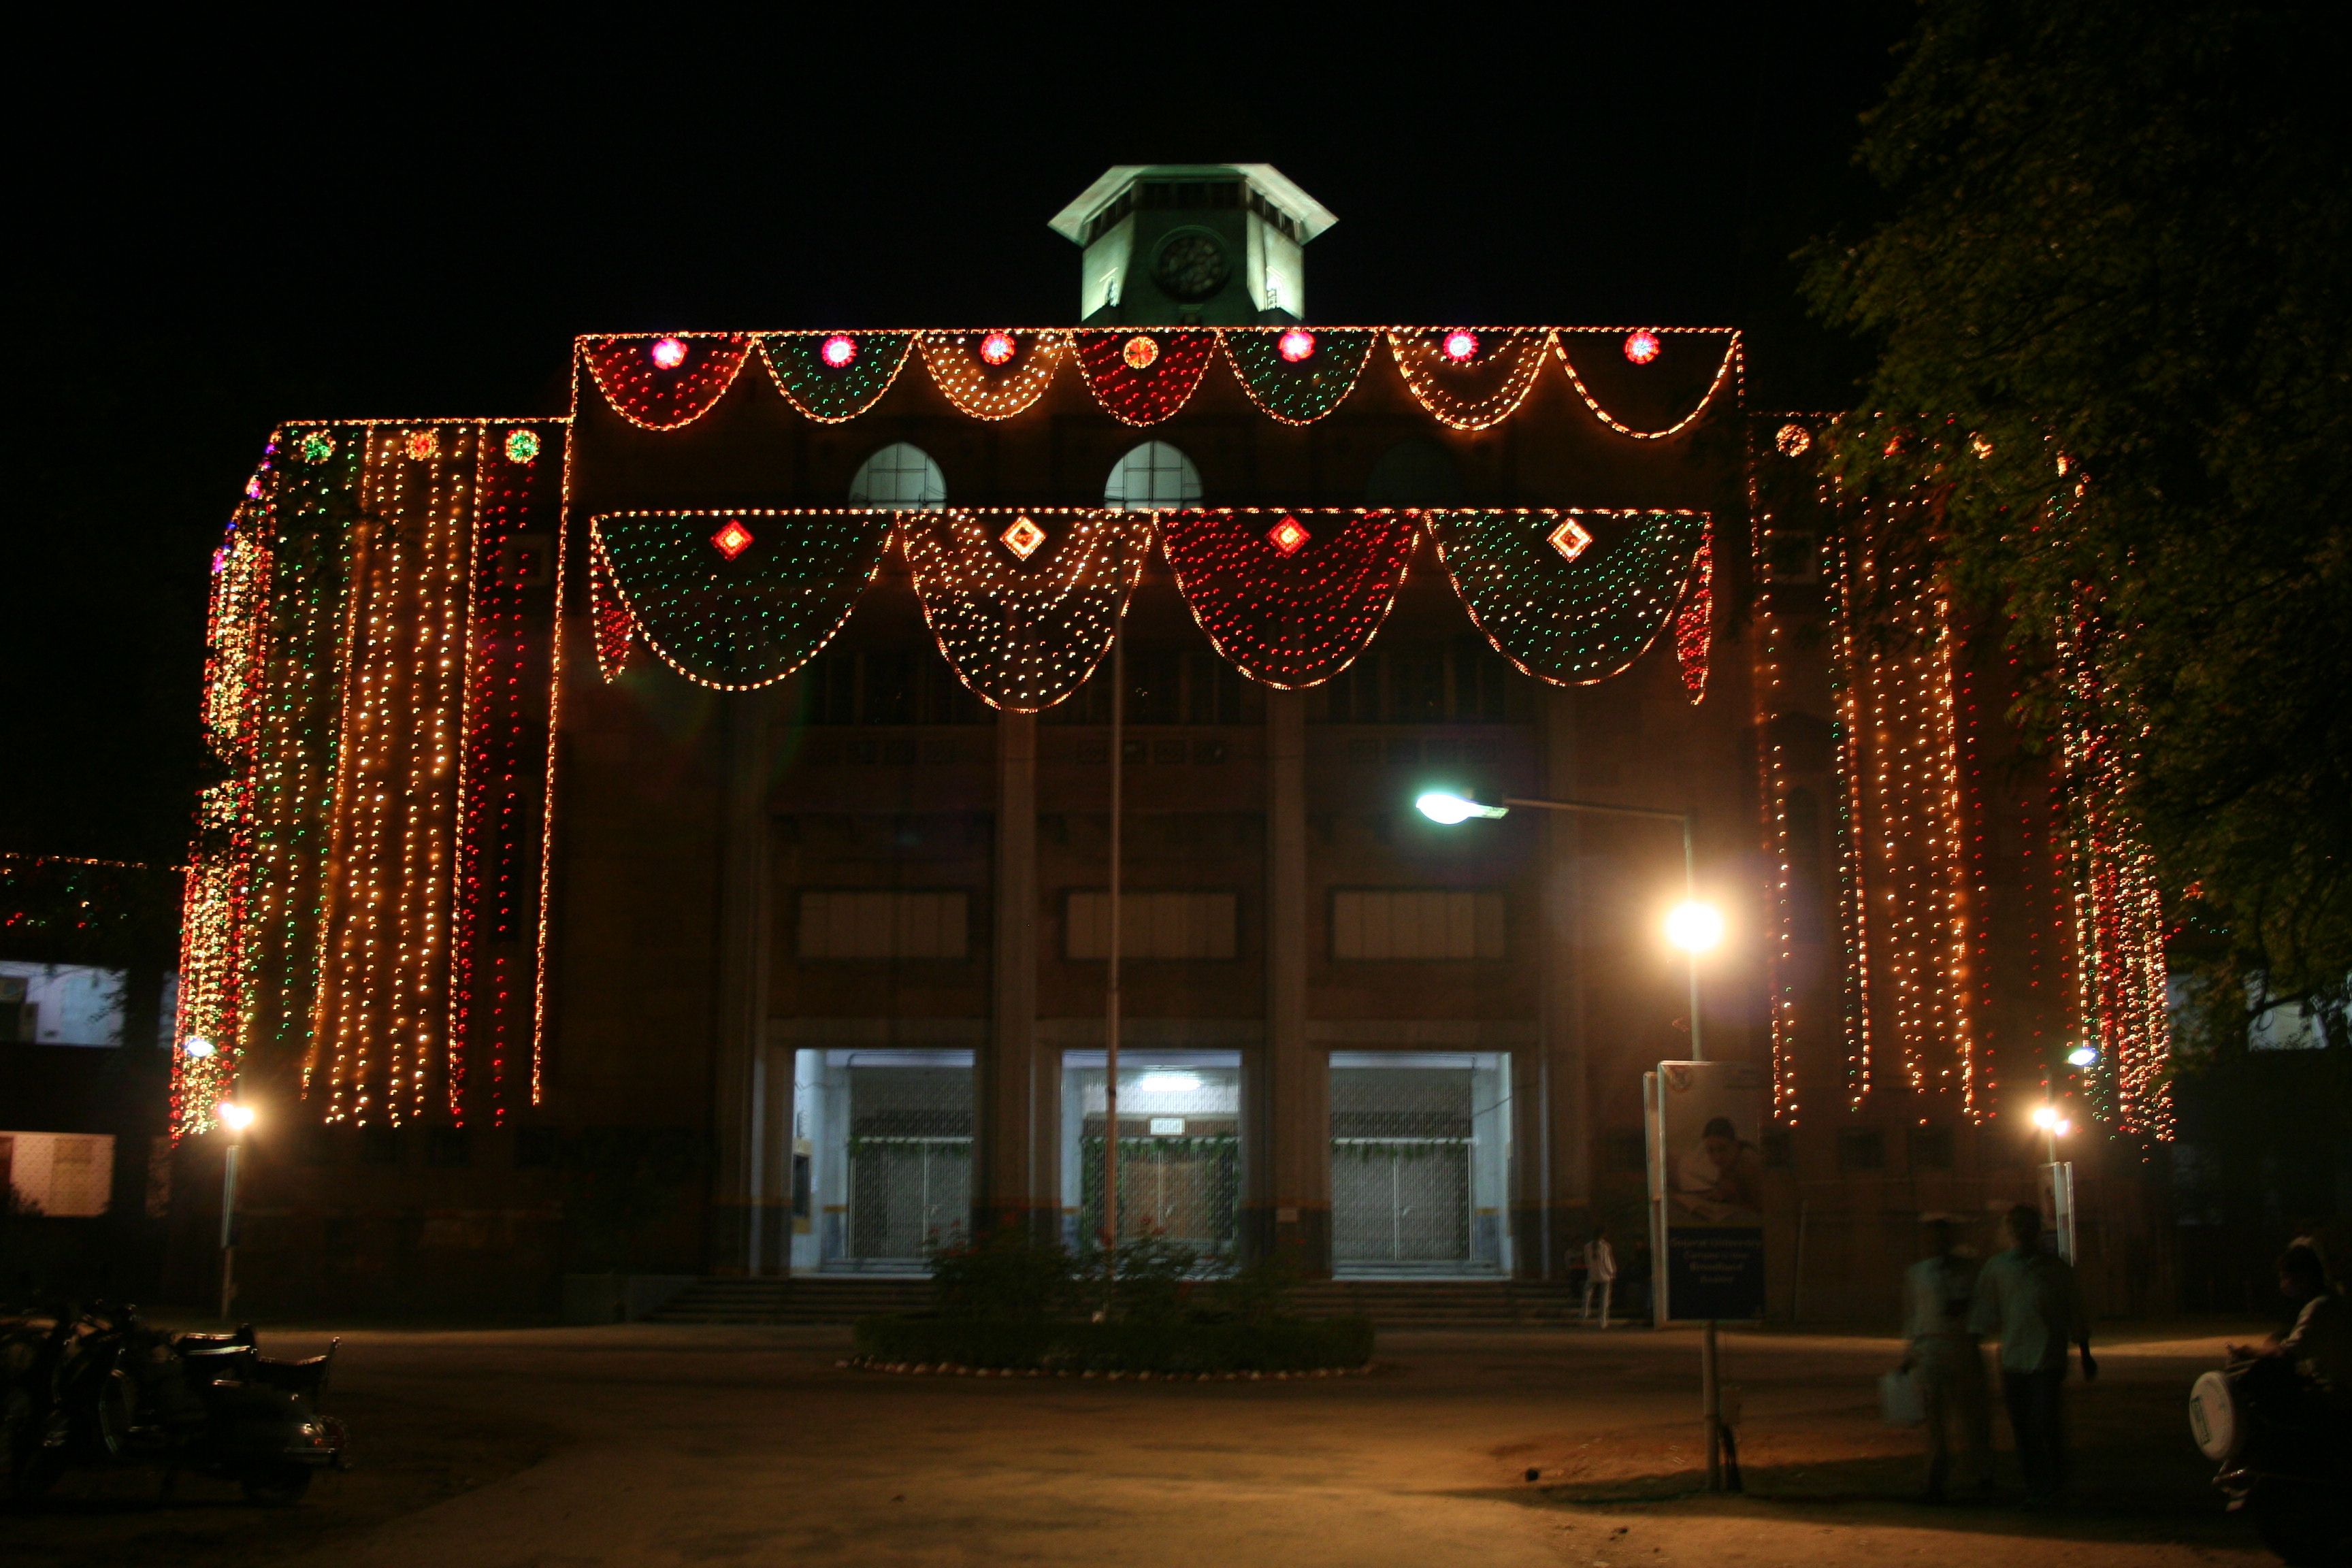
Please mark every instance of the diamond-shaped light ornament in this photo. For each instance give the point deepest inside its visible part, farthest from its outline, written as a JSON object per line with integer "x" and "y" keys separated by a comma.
{"x": 1287, "y": 536}
{"x": 733, "y": 539}
{"x": 1571, "y": 539}
{"x": 1023, "y": 538}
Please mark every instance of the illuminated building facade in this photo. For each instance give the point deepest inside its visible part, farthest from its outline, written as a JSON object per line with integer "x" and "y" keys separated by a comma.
{"x": 705, "y": 797}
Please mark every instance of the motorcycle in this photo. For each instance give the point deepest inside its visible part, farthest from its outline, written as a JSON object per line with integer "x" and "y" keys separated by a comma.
{"x": 101, "y": 1388}
{"x": 2284, "y": 1459}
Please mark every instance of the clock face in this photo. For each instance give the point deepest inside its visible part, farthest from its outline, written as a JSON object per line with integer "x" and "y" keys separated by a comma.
{"x": 1192, "y": 267}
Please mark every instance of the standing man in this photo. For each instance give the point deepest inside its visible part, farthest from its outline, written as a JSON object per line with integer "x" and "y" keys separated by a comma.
{"x": 1600, "y": 1272}
{"x": 1943, "y": 1359}
{"x": 2028, "y": 1298}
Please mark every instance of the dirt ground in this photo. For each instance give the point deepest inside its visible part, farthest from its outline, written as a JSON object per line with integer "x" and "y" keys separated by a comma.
{"x": 560, "y": 1449}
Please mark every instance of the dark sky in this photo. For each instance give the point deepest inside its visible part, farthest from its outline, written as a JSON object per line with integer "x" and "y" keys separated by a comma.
{"x": 220, "y": 229}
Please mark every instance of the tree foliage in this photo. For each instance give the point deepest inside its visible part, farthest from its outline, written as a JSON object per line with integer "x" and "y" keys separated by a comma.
{"x": 2112, "y": 300}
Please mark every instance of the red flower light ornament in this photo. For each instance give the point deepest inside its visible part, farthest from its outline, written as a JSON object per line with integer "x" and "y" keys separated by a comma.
{"x": 838, "y": 350}
{"x": 1642, "y": 347}
{"x": 668, "y": 353}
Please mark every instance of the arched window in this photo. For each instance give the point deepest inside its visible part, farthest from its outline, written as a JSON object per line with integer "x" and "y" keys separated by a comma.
{"x": 900, "y": 478}
{"x": 1155, "y": 477}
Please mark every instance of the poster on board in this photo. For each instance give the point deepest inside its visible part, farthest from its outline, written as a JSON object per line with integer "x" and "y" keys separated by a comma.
{"x": 1708, "y": 1173}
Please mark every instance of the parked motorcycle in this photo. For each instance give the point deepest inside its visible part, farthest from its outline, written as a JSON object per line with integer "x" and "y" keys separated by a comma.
{"x": 2285, "y": 1459}
{"x": 102, "y": 1388}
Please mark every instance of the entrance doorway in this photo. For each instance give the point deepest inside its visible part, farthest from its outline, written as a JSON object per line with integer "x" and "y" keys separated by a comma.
{"x": 1179, "y": 1170}
{"x": 889, "y": 1139}
{"x": 1420, "y": 1163}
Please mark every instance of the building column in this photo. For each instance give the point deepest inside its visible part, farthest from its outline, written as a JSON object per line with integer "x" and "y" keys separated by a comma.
{"x": 1292, "y": 1115}
{"x": 748, "y": 1217}
{"x": 1016, "y": 1169}
{"x": 1559, "y": 1210}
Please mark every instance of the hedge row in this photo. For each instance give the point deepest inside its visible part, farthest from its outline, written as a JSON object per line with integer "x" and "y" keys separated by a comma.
{"x": 1293, "y": 1344}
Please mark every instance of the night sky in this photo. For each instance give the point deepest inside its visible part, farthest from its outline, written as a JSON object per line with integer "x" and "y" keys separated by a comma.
{"x": 224, "y": 229}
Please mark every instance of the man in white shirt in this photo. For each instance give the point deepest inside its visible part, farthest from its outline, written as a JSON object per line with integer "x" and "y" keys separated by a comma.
{"x": 1944, "y": 1360}
{"x": 2028, "y": 1298}
{"x": 1600, "y": 1273}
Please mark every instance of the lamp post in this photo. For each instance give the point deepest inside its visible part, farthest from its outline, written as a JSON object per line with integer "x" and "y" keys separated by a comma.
{"x": 2055, "y": 1125}
{"x": 236, "y": 1118}
{"x": 1692, "y": 926}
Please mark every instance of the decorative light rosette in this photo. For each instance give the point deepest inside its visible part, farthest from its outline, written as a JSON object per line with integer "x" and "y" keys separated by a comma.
{"x": 658, "y": 396}
{"x": 804, "y": 369}
{"x": 978, "y": 386}
{"x": 1302, "y": 390}
{"x": 749, "y": 615}
{"x": 1606, "y": 357}
{"x": 1290, "y": 597}
{"x": 1482, "y": 388}
{"x": 1023, "y": 614}
{"x": 1570, "y": 622}
{"x": 1695, "y": 622}
{"x": 1142, "y": 388}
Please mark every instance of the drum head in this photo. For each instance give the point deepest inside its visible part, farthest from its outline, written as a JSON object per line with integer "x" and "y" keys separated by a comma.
{"x": 2213, "y": 1417}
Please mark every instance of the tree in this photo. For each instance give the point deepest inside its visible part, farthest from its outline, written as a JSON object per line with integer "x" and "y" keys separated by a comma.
{"x": 2111, "y": 297}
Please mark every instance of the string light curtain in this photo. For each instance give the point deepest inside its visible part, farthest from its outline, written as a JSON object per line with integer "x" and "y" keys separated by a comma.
{"x": 995, "y": 374}
{"x": 1291, "y": 597}
{"x": 1578, "y": 342}
{"x": 665, "y": 382}
{"x": 2118, "y": 911}
{"x": 367, "y": 910}
{"x": 496, "y": 968}
{"x": 1908, "y": 916}
{"x": 1295, "y": 373}
{"x": 835, "y": 376}
{"x": 735, "y": 600}
{"x": 1023, "y": 604}
{"x": 1470, "y": 377}
{"x": 1141, "y": 378}
{"x": 1565, "y": 612}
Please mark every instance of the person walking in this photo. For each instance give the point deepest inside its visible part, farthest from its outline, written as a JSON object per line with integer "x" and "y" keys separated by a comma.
{"x": 1943, "y": 1359}
{"x": 2028, "y": 1298}
{"x": 1600, "y": 1273}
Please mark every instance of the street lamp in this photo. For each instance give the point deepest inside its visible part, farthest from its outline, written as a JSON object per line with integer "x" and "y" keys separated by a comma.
{"x": 1692, "y": 926}
{"x": 2053, "y": 1127}
{"x": 237, "y": 1119}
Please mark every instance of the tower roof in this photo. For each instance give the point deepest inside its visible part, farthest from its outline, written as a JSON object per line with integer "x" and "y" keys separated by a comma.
{"x": 1311, "y": 216}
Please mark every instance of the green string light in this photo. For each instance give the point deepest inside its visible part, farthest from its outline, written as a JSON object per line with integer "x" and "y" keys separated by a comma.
{"x": 1570, "y": 622}
{"x": 745, "y": 620}
{"x": 830, "y": 394}
{"x": 1300, "y": 392}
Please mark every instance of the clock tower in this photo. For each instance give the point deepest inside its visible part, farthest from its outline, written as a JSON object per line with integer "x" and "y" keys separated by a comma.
{"x": 1214, "y": 244}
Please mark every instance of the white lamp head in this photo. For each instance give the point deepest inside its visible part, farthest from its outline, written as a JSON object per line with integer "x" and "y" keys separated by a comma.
{"x": 1445, "y": 806}
{"x": 197, "y": 1047}
{"x": 2083, "y": 1056}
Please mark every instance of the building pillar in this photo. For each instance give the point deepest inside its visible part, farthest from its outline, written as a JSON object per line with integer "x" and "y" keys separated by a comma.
{"x": 1559, "y": 1210}
{"x": 749, "y": 1217}
{"x": 1292, "y": 1115}
{"x": 1016, "y": 1169}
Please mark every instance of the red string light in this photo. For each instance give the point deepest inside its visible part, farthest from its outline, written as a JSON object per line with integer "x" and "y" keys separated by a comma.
{"x": 1143, "y": 388}
{"x": 655, "y": 396}
{"x": 1291, "y": 596}
{"x": 1695, "y": 620}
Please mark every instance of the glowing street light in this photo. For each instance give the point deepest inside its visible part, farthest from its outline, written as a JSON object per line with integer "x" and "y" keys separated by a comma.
{"x": 2082, "y": 1056}
{"x": 1443, "y": 805}
{"x": 237, "y": 1119}
{"x": 197, "y": 1047}
{"x": 1694, "y": 927}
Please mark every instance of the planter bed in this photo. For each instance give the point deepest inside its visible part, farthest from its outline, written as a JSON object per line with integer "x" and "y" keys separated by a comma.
{"x": 957, "y": 1344}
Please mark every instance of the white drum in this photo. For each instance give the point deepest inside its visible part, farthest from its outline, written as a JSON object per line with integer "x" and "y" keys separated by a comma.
{"x": 2214, "y": 1418}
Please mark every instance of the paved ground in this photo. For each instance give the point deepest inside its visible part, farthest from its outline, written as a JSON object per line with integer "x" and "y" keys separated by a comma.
{"x": 560, "y": 1448}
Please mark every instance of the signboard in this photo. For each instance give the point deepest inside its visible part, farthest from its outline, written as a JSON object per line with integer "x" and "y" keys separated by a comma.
{"x": 1706, "y": 1178}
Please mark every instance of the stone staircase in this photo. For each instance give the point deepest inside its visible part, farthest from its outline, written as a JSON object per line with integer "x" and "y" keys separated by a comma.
{"x": 1391, "y": 1303}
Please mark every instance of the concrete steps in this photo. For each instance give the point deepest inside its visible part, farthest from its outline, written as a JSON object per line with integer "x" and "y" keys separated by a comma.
{"x": 1393, "y": 1303}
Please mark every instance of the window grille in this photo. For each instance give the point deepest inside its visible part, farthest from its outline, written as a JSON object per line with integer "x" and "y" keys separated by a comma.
{"x": 1152, "y": 925}
{"x": 899, "y": 476}
{"x": 1154, "y": 476}
{"x": 1411, "y": 922}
